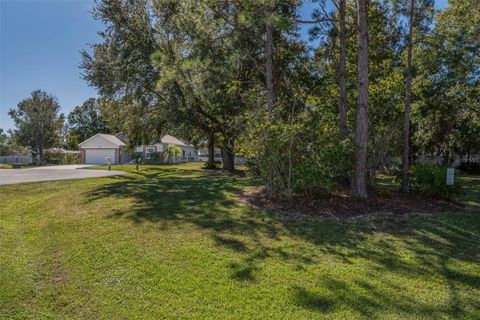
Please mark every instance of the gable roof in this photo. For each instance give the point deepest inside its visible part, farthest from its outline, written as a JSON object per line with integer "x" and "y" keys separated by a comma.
{"x": 110, "y": 138}
{"x": 168, "y": 139}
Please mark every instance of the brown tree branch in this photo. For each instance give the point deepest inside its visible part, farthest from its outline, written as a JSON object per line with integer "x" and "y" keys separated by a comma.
{"x": 320, "y": 20}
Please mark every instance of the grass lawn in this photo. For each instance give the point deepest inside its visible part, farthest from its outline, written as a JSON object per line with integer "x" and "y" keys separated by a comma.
{"x": 24, "y": 166}
{"x": 173, "y": 242}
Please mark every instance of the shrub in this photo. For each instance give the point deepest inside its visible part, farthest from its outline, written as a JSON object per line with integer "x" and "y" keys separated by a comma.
{"x": 297, "y": 157}
{"x": 53, "y": 156}
{"x": 154, "y": 158}
{"x": 429, "y": 178}
{"x": 470, "y": 167}
{"x": 71, "y": 158}
{"x": 135, "y": 156}
{"x": 323, "y": 165}
{"x": 174, "y": 151}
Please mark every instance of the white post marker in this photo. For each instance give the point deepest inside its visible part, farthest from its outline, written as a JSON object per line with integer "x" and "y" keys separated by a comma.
{"x": 450, "y": 176}
{"x": 108, "y": 160}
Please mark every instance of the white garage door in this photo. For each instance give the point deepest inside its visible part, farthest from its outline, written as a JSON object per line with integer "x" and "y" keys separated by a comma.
{"x": 97, "y": 156}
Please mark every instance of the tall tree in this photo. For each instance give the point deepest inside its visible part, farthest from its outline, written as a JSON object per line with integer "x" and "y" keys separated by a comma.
{"x": 38, "y": 122}
{"x": 4, "y": 149}
{"x": 189, "y": 67}
{"x": 408, "y": 92}
{"x": 85, "y": 121}
{"x": 264, "y": 22}
{"x": 342, "y": 65}
{"x": 419, "y": 14}
{"x": 339, "y": 18}
{"x": 447, "y": 116}
{"x": 269, "y": 68}
{"x": 120, "y": 69}
{"x": 359, "y": 187}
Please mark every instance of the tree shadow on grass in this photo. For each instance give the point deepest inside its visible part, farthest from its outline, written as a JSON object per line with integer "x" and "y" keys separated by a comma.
{"x": 167, "y": 196}
{"x": 313, "y": 301}
{"x": 230, "y": 243}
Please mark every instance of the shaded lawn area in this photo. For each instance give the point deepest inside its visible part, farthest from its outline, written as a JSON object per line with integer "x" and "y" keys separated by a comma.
{"x": 471, "y": 195}
{"x": 173, "y": 242}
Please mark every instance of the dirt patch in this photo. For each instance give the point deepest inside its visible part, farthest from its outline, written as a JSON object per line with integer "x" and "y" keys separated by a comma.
{"x": 341, "y": 204}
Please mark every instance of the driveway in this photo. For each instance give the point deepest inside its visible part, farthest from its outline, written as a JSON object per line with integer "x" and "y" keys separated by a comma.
{"x": 13, "y": 176}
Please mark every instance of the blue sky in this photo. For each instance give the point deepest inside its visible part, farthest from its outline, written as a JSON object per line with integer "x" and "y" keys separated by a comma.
{"x": 40, "y": 43}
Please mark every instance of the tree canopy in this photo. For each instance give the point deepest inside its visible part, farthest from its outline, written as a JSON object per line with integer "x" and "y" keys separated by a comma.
{"x": 388, "y": 78}
{"x": 38, "y": 122}
{"x": 85, "y": 121}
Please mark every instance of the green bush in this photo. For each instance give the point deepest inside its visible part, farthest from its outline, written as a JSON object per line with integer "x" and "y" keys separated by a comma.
{"x": 155, "y": 158}
{"x": 137, "y": 155}
{"x": 323, "y": 165}
{"x": 53, "y": 156}
{"x": 470, "y": 167}
{"x": 71, "y": 158}
{"x": 293, "y": 157}
{"x": 431, "y": 179}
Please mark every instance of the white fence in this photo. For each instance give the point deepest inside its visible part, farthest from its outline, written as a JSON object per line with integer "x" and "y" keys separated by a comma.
{"x": 16, "y": 159}
{"x": 237, "y": 160}
{"x": 423, "y": 159}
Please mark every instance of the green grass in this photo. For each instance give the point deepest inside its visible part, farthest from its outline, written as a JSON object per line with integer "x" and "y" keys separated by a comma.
{"x": 173, "y": 242}
{"x": 471, "y": 195}
{"x": 24, "y": 166}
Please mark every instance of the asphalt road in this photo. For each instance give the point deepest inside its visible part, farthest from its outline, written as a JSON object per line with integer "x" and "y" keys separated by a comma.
{"x": 51, "y": 173}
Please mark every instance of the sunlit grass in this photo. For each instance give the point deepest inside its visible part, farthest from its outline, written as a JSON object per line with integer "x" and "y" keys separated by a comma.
{"x": 469, "y": 194}
{"x": 173, "y": 242}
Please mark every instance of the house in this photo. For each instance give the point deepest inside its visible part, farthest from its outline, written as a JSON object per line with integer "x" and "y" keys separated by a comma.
{"x": 203, "y": 154}
{"x": 189, "y": 153}
{"x": 95, "y": 149}
{"x": 217, "y": 156}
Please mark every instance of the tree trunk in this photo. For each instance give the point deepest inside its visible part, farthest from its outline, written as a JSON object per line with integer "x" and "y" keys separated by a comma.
{"x": 228, "y": 156}
{"x": 408, "y": 90}
{"x": 40, "y": 156}
{"x": 211, "y": 152}
{"x": 469, "y": 149}
{"x": 342, "y": 87}
{"x": 446, "y": 158}
{"x": 359, "y": 187}
{"x": 269, "y": 70}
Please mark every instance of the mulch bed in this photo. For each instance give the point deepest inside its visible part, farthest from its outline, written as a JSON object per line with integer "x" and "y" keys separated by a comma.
{"x": 341, "y": 204}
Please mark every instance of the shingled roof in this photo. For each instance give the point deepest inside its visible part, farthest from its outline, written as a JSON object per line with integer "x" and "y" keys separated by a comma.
{"x": 168, "y": 139}
{"x": 107, "y": 137}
